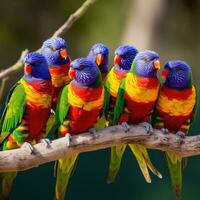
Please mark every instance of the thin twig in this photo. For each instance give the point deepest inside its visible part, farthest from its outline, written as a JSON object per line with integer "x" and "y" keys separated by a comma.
{"x": 20, "y": 159}
{"x": 14, "y": 68}
{"x": 65, "y": 27}
{"x": 2, "y": 86}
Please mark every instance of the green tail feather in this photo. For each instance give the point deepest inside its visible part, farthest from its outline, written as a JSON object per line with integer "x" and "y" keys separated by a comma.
{"x": 6, "y": 184}
{"x": 64, "y": 169}
{"x": 115, "y": 162}
{"x": 175, "y": 169}
{"x": 144, "y": 161}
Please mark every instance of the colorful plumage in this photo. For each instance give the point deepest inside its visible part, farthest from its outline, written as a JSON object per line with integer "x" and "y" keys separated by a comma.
{"x": 99, "y": 53}
{"x": 135, "y": 101}
{"x": 26, "y": 112}
{"x": 78, "y": 110}
{"x": 124, "y": 56}
{"x": 174, "y": 112}
{"x": 56, "y": 54}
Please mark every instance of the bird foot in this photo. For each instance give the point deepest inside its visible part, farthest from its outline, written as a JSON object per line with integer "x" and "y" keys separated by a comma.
{"x": 46, "y": 142}
{"x": 29, "y": 147}
{"x": 125, "y": 126}
{"x": 93, "y": 131}
{"x": 180, "y": 134}
{"x": 165, "y": 130}
{"x": 68, "y": 138}
{"x": 148, "y": 127}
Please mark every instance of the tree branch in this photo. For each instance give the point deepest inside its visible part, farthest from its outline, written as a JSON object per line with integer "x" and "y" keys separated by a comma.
{"x": 65, "y": 27}
{"x": 2, "y": 86}
{"x": 20, "y": 159}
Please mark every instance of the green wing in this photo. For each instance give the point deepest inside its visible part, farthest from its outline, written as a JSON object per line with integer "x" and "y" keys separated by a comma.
{"x": 62, "y": 106}
{"x": 106, "y": 97}
{"x": 13, "y": 112}
{"x": 195, "y": 110}
{"x": 119, "y": 106}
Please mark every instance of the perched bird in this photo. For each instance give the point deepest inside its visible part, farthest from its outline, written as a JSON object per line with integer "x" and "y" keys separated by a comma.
{"x": 99, "y": 53}
{"x": 135, "y": 101}
{"x": 78, "y": 110}
{"x": 26, "y": 113}
{"x": 56, "y": 54}
{"x": 174, "y": 112}
{"x": 124, "y": 56}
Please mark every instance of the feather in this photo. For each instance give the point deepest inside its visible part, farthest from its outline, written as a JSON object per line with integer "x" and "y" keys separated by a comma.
{"x": 13, "y": 112}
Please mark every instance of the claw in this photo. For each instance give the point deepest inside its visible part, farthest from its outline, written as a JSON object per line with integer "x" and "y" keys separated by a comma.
{"x": 181, "y": 134}
{"x": 148, "y": 127}
{"x": 93, "y": 131}
{"x": 28, "y": 147}
{"x": 68, "y": 139}
{"x": 165, "y": 130}
{"x": 46, "y": 141}
{"x": 125, "y": 126}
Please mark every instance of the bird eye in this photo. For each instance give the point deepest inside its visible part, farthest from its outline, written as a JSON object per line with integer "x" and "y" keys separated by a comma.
{"x": 52, "y": 48}
{"x": 126, "y": 55}
{"x": 81, "y": 67}
{"x": 37, "y": 62}
{"x": 176, "y": 69}
{"x": 146, "y": 59}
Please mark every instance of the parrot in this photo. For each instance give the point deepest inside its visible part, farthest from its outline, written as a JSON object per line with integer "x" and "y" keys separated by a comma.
{"x": 78, "y": 109}
{"x": 174, "y": 112}
{"x": 99, "y": 53}
{"x": 55, "y": 51}
{"x": 135, "y": 101}
{"x": 27, "y": 110}
{"x": 124, "y": 56}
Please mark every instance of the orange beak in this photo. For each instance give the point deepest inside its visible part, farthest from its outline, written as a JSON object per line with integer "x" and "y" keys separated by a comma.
{"x": 72, "y": 73}
{"x": 156, "y": 64}
{"x": 27, "y": 69}
{"x": 63, "y": 53}
{"x": 117, "y": 60}
{"x": 99, "y": 59}
{"x": 165, "y": 73}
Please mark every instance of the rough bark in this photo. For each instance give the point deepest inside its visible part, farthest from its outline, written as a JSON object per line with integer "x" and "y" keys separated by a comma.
{"x": 20, "y": 159}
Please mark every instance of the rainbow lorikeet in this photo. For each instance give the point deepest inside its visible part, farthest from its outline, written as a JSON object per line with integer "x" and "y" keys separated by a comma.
{"x": 135, "y": 101}
{"x": 99, "y": 53}
{"x": 27, "y": 110}
{"x": 56, "y": 54}
{"x": 124, "y": 56}
{"x": 77, "y": 111}
{"x": 174, "y": 112}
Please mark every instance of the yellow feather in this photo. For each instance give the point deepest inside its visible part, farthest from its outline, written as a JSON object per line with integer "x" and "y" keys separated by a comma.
{"x": 175, "y": 107}
{"x": 138, "y": 93}
{"x": 76, "y": 101}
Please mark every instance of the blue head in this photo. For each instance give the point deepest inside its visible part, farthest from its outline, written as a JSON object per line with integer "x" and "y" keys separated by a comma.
{"x": 36, "y": 67}
{"x": 146, "y": 64}
{"x": 124, "y": 56}
{"x": 178, "y": 74}
{"x": 84, "y": 72}
{"x": 55, "y": 51}
{"x": 99, "y": 54}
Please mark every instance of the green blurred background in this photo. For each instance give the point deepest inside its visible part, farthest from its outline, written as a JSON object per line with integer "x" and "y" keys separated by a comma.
{"x": 173, "y": 32}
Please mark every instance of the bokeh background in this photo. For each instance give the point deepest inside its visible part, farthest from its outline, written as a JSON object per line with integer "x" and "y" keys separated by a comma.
{"x": 170, "y": 27}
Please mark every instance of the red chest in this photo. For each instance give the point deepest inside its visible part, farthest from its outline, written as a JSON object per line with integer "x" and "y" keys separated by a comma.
{"x": 138, "y": 112}
{"x": 173, "y": 123}
{"x": 37, "y": 118}
{"x": 81, "y": 120}
{"x": 56, "y": 93}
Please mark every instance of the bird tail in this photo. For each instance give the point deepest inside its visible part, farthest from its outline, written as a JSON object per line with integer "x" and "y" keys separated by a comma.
{"x": 63, "y": 169}
{"x": 144, "y": 161}
{"x": 6, "y": 183}
{"x": 175, "y": 166}
{"x": 115, "y": 162}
